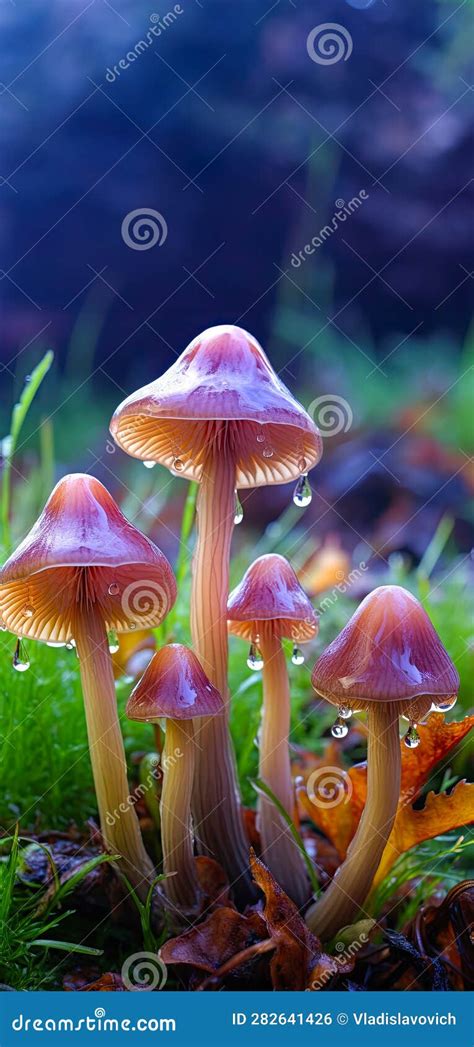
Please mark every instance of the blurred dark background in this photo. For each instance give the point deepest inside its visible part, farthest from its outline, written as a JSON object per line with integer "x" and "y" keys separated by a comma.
{"x": 245, "y": 145}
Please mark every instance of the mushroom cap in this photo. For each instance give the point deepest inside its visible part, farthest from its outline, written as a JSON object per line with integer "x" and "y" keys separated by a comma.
{"x": 222, "y": 388}
{"x": 389, "y": 651}
{"x": 270, "y": 592}
{"x": 175, "y": 686}
{"x": 82, "y": 552}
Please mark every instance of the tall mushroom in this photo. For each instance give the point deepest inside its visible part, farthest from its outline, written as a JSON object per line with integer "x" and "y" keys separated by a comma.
{"x": 84, "y": 570}
{"x": 220, "y": 416}
{"x": 387, "y": 661}
{"x": 174, "y": 687}
{"x": 267, "y": 606}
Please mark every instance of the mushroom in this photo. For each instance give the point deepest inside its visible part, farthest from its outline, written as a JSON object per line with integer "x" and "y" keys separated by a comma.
{"x": 267, "y": 606}
{"x": 387, "y": 661}
{"x": 174, "y": 687}
{"x": 220, "y": 416}
{"x": 84, "y": 570}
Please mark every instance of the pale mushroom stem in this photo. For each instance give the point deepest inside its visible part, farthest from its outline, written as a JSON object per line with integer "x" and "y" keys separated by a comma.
{"x": 216, "y": 804}
{"x": 279, "y": 850}
{"x": 182, "y": 888}
{"x": 118, "y": 820}
{"x": 345, "y": 896}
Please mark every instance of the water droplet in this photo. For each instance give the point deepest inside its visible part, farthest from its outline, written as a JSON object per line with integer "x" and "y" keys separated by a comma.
{"x": 238, "y": 510}
{"x": 70, "y": 645}
{"x": 344, "y": 712}
{"x": 28, "y": 611}
{"x": 297, "y": 656}
{"x": 302, "y": 494}
{"x": 339, "y": 729}
{"x": 267, "y": 452}
{"x": 260, "y": 438}
{"x": 113, "y": 589}
{"x": 132, "y": 625}
{"x": 178, "y": 465}
{"x": 443, "y": 704}
{"x": 113, "y": 642}
{"x": 149, "y": 465}
{"x": 254, "y": 660}
{"x": 412, "y": 738}
{"x": 20, "y": 658}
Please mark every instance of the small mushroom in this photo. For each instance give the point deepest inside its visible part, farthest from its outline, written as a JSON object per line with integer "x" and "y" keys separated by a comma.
{"x": 267, "y": 606}
{"x": 84, "y": 570}
{"x": 220, "y": 416}
{"x": 390, "y": 662}
{"x": 174, "y": 687}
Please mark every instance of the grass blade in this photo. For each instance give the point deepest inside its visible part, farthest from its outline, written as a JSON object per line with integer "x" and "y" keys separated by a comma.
{"x": 50, "y": 943}
{"x": 262, "y": 788}
{"x": 19, "y": 414}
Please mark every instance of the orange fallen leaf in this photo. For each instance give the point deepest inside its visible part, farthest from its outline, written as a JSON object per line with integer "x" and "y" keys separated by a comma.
{"x": 326, "y": 568}
{"x": 437, "y": 739}
{"x": 336, "y": 797}
{"x": 440, "y": 813}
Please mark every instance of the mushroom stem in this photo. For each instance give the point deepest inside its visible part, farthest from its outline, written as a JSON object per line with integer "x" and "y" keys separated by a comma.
{"x": 279, "y": 850}
{"x": 182, "y": 888}
{"x": 345, "y": 896}
{"x": 118, "y": 820}
{"x": 216, "y": 804}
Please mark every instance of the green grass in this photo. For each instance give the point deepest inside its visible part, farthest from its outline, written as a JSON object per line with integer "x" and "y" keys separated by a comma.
{"x": 30, "y": 914}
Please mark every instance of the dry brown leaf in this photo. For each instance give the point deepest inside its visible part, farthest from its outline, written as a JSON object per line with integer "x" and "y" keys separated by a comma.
{"x": 209, "y": 945}
{"x": 297, "y": 951}
{"x": 81, "y": 981}
{"x": 213, "y": 883}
